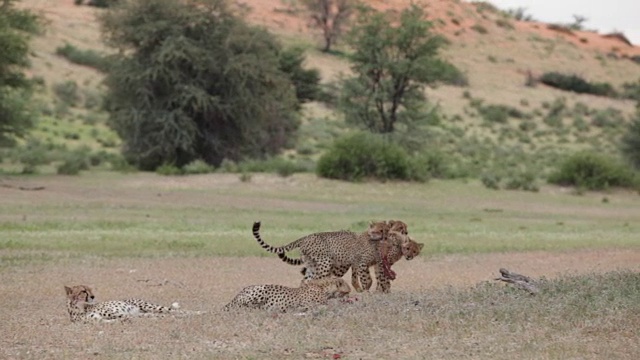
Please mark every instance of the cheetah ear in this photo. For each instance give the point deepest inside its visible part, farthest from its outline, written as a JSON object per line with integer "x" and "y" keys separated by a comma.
{"x": 420, "y": 245}
{"x": 68, "y": 290}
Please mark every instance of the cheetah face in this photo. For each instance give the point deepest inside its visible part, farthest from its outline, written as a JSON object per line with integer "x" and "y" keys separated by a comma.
{"x": 398, "y": 226}
{"x": 80, "y": 294}
{"x": 342, "y": 288}
{"x": 411, "y": 249}
{"x": 377, "y": 230}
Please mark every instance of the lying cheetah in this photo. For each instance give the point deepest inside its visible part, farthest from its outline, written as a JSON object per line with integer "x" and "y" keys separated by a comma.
{"x": 394, "y": 247}
{"x": 320, "y": 252}
{"x": 282, "y": 298}
{"x": 82, "y": 307}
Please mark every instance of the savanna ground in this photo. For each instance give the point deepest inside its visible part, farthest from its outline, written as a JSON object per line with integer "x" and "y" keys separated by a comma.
{"x": 188, "y": 239}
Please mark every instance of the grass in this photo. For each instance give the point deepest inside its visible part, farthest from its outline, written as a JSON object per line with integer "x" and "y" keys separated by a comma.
{"x": 587, "y": 316}
{"x": 147, "y": 215}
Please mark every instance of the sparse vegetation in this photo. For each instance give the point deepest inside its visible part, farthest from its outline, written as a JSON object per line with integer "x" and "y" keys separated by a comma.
{"x": 577, "y": 84}
{"x": 89, "y": 57}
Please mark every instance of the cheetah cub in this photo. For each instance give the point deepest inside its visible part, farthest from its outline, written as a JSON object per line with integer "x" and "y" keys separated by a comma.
{"x": 282, "y": 298}
{"x": 82, "y": 307}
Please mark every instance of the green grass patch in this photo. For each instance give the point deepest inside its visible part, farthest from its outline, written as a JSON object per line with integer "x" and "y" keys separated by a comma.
{"x": 144, "y": 214}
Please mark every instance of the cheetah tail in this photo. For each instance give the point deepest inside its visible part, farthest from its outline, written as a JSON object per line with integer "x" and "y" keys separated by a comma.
{"x": 289, "y": 260}
{"x": 273, "y": 249}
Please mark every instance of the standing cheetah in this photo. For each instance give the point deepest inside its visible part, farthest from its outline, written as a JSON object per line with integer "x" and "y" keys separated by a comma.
{"x": 394, "y": 247}
{"x": 320, "y": 252}
{"x": 82, "y": 308}
{"x": 282, "y": 298}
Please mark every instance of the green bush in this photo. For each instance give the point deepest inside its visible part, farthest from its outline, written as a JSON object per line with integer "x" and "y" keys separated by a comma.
{"x": 75, "y": 161}
{"x": 169, "y": 169}
{"x": 364, "y": 155}
{"x": 67, "y": 92}
{"x": 523, "y": 181}
{"x": 593, "y": 171}
{"x": 88, "y": 58}
{"x": 576, "y": 84}
{"x": 277, "y": 165}
{"x": 631, "y": 142}
{"x": 491, "y": 181}
{"x": 198, "y": 167}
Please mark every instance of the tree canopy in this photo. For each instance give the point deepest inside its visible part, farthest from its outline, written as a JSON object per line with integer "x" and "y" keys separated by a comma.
{"x": 392, "y": 63}
{"x": 192, "y": 80}
{"x": 16, "y": 26}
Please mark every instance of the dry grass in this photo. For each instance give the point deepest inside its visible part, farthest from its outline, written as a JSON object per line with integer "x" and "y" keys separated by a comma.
{"x": 587, "y": 316}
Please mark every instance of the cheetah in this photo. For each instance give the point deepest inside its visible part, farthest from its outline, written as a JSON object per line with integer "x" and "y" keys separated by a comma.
{"x": 395, "y": 246}
{"x": 322, "y": 251}
{"x": 282, "y": 298}
{"x": 82, "y": 307}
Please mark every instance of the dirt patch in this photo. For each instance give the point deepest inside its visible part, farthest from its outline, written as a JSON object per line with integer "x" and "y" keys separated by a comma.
{"x": 35, "y": 323}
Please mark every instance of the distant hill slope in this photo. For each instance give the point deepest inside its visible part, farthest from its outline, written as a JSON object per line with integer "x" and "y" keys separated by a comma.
{"x": 496, "y": 52}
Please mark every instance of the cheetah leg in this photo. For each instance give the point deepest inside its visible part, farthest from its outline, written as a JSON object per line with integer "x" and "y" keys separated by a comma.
{"x": 364, "y": 276}
{"x": 354, "y": 281}
{"x": 383, "y": 283}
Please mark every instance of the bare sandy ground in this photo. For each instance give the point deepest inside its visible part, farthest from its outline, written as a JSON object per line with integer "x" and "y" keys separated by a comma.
{"x": 34, "y": 322}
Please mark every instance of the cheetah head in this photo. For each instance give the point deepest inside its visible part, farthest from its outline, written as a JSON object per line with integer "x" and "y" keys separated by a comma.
{"x": 398, "y": 226}
{"x": 377, "y": 230}
{"x": 79, "y": 295}
{"x": 332, "y": 287}
{"x": 410, "y": 248}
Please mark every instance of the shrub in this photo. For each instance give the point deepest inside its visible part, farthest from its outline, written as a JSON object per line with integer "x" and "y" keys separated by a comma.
{"x": 576, "y": 84}
{"x": 198, "y": 167}
{"x": 88, "y": 58}
{"x": 631, "y": 142}
{"x": 523, "y": 181}
{"x": 75, "y": 161}
{"x": 479, "y": 29}
{"x": 364, "y": 155}
{"x": 67, "y": 92}
{"x": 593, "y": 171}
{"x": 169, "y": 169}
{"x": 491, "y": 181}
{"x": 431, "y": 164}
{"x": 609, "y": 117}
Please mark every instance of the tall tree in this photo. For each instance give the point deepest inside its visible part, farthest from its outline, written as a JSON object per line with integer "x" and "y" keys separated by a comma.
{"x": 192, "y": 80}
{"x": 330, "y": 16}
{"x": 392, "y": 63}
{"x": 16, "y": 26}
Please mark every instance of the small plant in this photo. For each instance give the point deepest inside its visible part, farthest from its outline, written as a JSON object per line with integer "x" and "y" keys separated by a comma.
{"x": 89, "y": 58}
{"x": 491, "y": 181}
{"x": 504, "y": 23}
{"x": 74, "y": 161}
{"x": 67, "y": 92}
{"x": 479, "y": 29}
{"x": 576, "y": 84}
{"x": 523, "y": 181}
{"x": 198, "y": 167}
{"x": 169, "y": 169}
{"x": 245, "y": 177}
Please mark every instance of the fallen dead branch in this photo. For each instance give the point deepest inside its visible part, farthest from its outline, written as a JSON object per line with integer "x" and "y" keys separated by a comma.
{"x": 520, "y": 281}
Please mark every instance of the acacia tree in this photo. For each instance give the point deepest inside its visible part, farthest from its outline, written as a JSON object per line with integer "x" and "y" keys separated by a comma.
{"x": 392, "y": 64}
{"x": 330, "y": 16}
{"x": 16, "y": 26}
{"x": 192, "y": 80}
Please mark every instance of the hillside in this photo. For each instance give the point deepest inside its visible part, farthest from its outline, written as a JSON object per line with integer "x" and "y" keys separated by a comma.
{"x": 496, "y": 52}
